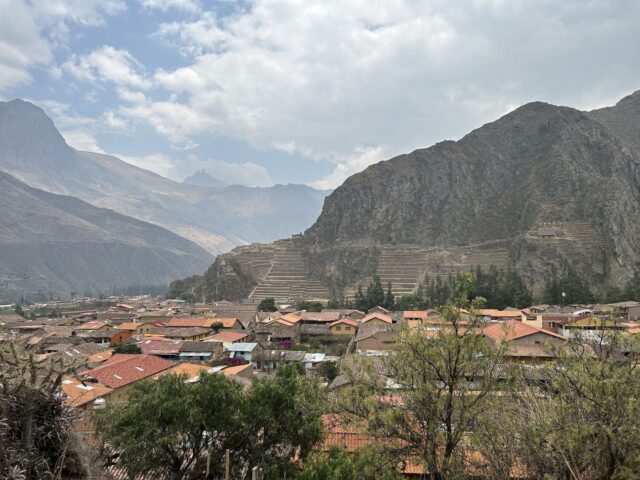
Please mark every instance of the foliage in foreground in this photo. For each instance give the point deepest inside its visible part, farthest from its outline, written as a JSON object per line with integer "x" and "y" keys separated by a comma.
{"x": 36, "y": 440}
{"x": 169, "y": 426}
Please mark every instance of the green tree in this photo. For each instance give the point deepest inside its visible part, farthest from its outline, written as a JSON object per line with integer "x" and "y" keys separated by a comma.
{"x": 282, "y": 419}
{"x": 268, "y": 305}
{"x": 36, "y": 435}
{"x": 360, "y": 301}
{"x": 169, "y": 425}
{"x": 410, "y": 301}
{"x": 582, "y": 422}
{"x": 328, "y": 370}
{"x": 130, "y": 348}
{"x": 389, "y": 300}
{"x": 310, "y": 306}
{"x": 446, "y": 382}
{"x": 363, "y": 464}
{"x": 18, "y": 310}
{"x": 375, "y": 293}
{"x": 217, "y": 326}
{"x": 632, "y": 287}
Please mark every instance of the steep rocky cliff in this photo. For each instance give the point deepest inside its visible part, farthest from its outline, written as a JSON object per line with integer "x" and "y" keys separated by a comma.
{"x": 539, "y": 186}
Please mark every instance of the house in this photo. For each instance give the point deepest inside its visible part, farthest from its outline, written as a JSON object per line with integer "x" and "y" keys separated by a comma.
{"x": 344, "y": 326}
{"x": 162, "y": 347}
{"x": 417, "y": 316}
{"x": 379, "y": 309}
{"x": 230, "y": 323}
{"x": 122, "y": 371}
{"x": 591, "y": 327}
{"x": 492, "y": 314}
{"x": 191, "y": 322}
{"x": 200, "y": 351}
{"x": 187, "y": 333}
{"x": 346, "y": 313}
{"x": 94, "y": 325}
{"x": 79, "y": 394}
{"x": 629, "y": 310}
{"x": 324, "y": 317}
{"x": 518, "y": 333}
{"x": 245, "y": 351}
{"x": 376, "y": 317}
{"x": 136, "y": 328}
{"x": 239, "y": 371}
{"x": 227, "y": 337}
{"x": 376, "y": 338}
{"x": 277, "y": 333}
{"x": 103, "y": 337}
{"x": 270, "y": 360}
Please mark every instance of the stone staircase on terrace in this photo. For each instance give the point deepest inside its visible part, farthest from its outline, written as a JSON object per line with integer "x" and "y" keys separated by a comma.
{"x": 289, "y": 280}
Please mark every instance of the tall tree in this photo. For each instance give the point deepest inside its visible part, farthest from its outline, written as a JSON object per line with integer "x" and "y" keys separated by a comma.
{"x": 169, "y": 425}
{"x": 446, "y": 379}
{"x": 268, "y": 305}
{"x": 282, "y": 420}
{"x": 389, "y": 300}
{"x": 375, "y": 293}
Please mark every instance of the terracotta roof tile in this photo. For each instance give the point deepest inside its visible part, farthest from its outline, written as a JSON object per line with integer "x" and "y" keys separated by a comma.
{"x": 123, "y": 369}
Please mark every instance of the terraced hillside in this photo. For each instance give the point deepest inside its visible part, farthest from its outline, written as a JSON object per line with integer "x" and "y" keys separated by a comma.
{"x": 542, "y": 186}
{"x": 288, "y": 278}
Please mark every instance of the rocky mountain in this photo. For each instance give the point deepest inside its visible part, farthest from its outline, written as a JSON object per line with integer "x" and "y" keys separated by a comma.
{"x": 540, "y": 186}
{"x": 52, "y": 245}
{"x": 33, "y": 151}
{"x": 201, "y": 178}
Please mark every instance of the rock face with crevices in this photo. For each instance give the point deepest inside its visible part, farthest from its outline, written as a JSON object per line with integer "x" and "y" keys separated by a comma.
{"x": 542, "y": 185}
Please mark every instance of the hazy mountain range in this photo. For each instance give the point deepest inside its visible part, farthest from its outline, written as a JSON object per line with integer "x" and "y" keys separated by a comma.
{"x": 52, "y": 245}
{"x": 162, "y": 229}
{"x": 218, "y": 218}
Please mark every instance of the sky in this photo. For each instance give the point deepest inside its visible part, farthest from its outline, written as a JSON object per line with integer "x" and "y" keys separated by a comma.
{"x": 302, "y": 91}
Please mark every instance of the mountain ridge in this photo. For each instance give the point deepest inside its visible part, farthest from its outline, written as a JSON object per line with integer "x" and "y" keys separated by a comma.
{"x": 51, "y": 245}
{"x": 33, "y": 151}
{"x": 488, "y": 197}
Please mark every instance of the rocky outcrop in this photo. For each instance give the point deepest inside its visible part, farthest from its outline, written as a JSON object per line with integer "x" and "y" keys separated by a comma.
{"x": 541, "y": 185}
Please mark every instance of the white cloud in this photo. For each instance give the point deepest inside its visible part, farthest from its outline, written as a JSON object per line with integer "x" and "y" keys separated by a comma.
{"x": 191, "y": 6}
{"x": 324, "y": 79}
{"x": 21, "y": 45}
{"x": 82, "y": 140}
{"x": 246, "y": 173}
{"x": 32, "y": 30}
{"x": 114, "y": 121}
{"x": 348, "y": 165}
{"x": 108, "y": 64}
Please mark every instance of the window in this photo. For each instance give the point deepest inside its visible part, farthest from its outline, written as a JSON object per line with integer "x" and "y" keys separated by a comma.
{"x": 338, "y": 328}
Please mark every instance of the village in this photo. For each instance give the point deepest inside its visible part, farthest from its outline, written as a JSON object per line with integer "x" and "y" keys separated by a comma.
{"x": 107, "y": 350}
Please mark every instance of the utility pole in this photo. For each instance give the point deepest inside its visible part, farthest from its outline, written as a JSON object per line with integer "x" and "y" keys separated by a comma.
{"x": 226, "y": 464}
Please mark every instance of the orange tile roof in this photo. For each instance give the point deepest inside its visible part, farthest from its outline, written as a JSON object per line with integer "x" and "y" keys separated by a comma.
{"x": 489, "y": 312}
{"x": 385, "y": 318}
{"x": 190, "y": 370}
{"x": 181, "y": 322}
{"x": 291, "y": 318}
{"x": 348, "y": 321}
{"x": 512, "y": 329}
{"x": 123, "y": 369}
{"x": 227, "y": 322}
{"x": 229, "y": 371}
{"x": 78, "y": 393}
{"x": 419, "y": 314}
{"x": 93, "y": 325}
{"x": 226, "y": 336}
{"x": 100, "y": 356}
{"x": 129, "y": 326}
